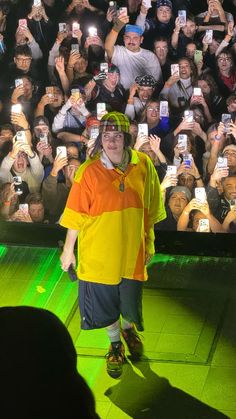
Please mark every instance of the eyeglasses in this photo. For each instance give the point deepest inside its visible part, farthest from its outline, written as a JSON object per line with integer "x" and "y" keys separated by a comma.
{"x": 23, "y": 60}
{"x": 153, "y": 109}
{"x": 224, "y": 59}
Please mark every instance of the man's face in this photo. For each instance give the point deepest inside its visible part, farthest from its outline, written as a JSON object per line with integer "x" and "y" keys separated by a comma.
{"x": 113, "y": 144}
{"x": 189, "y": 29}
{"x": 229, "y": 188}
{"x": 163, "y": 14}
{"x": 177, "y": 203}
{"x": 231, "y": 158}
{"x": 161, "y": 50}
{"x": 190, "y": 50}
{"x": 20, "y": 162}
{"x": 145, "y": 93}
{"x": 36, "y": 212}
{"x": 184, "y": 69}
{"x": 23, "y": 62}
{"x": 187, "y": 180}
{"x": 132, "y": 41}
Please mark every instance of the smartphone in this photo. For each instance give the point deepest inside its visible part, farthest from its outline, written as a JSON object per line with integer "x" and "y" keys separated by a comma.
{"x": 24, "y": 208}
{"x": 61, "y": 151}
{"x": 147, "y": 4}
{"x": 76, "y": 93}
{"x": 123, "y": 11}
{"x": 198, "y": 56}
{"x": 143, "y": 129}
{"x": 62, "y": 27}
{"x": 197, "y": 91}
{"x": 43, "y": 138}
{"x": 182, "y": 141}
{"x": 21, "y": 136}
{"x": 113, "y": 6}
{"x": 164, "y": 108}
{"x": 187, "y": 159}
{"x": 104, "y": 67}
{"x": 232, "y": 203}
{"x": 203, "y": 226}
{"x": 101, "y": 110}
{"x": 171, "y": 170}
{"x": 74, "y": 47}
{"x": 189, "y": 116}
{"x": 18, "y": 82}
{"x": 222, "y": 162}
{"x": 209, "y": 36}
{"x": 50, "y": 91}
{"x": 182, "y": 17}
{"x": 18, "y": 185}
{"x": 22, "y": 23}
{"x": 226, "y": 119}
{"x": 92, "y": 31}
{"x": 200, "y": 195}
{"x": 37, "y": 3}
{"x": 16, "y": 108}
{"x": 174, "y": 69}
{"x": 75, "y": 27}
{"x": 94, "y": 133}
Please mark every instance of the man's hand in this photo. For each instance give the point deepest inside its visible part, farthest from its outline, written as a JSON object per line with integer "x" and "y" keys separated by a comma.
{"x": 67, "y": 258}
{"x": 120, "y": 22}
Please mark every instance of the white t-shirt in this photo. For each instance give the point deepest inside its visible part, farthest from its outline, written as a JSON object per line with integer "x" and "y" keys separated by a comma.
{"x": 133, "y": 64}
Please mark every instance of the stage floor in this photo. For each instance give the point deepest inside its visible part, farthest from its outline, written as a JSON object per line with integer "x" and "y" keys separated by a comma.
{"x": 189, "y": 367}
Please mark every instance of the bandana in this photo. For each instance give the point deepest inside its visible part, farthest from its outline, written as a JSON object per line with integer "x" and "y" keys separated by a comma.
{"x": 146, "y": 80}
{"x": 114, "y": 121}
{"x": 134, "y": 28}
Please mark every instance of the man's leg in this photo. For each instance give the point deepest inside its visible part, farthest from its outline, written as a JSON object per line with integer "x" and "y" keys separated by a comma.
{"x": 131, "y": 310}
{"x": 116, "y": 355}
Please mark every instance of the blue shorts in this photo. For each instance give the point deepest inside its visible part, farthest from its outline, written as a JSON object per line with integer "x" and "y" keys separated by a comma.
{"x": 101, "y": 305}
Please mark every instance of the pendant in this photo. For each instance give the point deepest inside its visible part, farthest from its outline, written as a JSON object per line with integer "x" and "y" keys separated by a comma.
{"x": 122, "y": 187}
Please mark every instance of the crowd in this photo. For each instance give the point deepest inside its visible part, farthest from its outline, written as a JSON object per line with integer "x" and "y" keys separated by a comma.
{"x": 169, "y": 66}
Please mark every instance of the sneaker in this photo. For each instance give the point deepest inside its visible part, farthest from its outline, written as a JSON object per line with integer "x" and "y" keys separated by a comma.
{"x": 134, "y": 342}
{"x": 115, "y": 360}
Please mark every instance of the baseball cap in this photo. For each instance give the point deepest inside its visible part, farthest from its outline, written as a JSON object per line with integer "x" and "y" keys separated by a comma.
{"x": 166, "y": 3}
{"x": 182, "y": 189}
{"x": 134, "y": 28}
{"x": 114, "y": 121}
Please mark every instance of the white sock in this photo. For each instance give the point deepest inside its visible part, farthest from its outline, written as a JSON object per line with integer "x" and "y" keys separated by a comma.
{"x": 126, "y": 324}
{"x": 113, "y": 332}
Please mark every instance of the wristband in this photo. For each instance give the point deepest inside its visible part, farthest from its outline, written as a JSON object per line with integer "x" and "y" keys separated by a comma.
{"x": 167, "y": 85}
{"x": 130, "y": 101}
{"x": 7, "y": 203}
{"x": 198, "y": 178}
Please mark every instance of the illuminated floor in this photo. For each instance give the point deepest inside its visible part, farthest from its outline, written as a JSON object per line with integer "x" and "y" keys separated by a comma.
{"x": 189, "y": 368}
